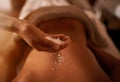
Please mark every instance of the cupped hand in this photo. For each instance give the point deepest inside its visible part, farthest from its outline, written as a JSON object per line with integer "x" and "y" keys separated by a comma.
{"x": 41, "y": 41}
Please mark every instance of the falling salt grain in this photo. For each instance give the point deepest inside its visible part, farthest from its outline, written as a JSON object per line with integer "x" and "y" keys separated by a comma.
{"x": 60, "y": 58}
{"x": 58, "y": 61}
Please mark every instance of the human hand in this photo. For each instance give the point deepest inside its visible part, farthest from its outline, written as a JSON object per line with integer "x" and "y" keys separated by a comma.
{"x": 40, "y": 40}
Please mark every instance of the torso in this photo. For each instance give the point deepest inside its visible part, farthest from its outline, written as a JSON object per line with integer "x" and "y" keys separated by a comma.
{"x": 75, "y": 63}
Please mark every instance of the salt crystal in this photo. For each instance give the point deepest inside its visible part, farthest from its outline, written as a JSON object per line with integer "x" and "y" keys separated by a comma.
{"x": 56, "y": 40}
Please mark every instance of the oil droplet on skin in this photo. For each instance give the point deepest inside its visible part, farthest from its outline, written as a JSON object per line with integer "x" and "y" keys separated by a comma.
{"x": 58, "y": 60}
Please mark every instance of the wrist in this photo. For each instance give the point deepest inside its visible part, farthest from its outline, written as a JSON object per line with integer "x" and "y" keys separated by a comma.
{"x": 20, "y": 26}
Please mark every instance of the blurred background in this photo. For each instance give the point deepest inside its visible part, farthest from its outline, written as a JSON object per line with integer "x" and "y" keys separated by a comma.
{"x": 108, "y": 11}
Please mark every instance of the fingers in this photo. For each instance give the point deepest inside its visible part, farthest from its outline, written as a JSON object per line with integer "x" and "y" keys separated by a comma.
{"x": 41, "y": 41}
{"x": 61, "y": 40}
{"x": 53, "y": 43}
{"x": 47, "y": 48}
{"x": 49, "y": 43}
{"x": 66, "y": 42}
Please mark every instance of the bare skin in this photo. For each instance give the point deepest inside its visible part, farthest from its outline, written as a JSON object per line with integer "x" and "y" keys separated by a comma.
{"x": 10, "y": 56}
{"x": 109, "y": 63}
{"x": 78, "y": 63}
{"x": 17, "y": 47}
{"x": 31, "y": 34}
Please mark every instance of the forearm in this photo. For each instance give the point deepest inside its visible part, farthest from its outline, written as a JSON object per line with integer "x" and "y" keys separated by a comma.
{"x": 31, "y": 34}
{"x": 15, "y": 25}
{"x": 17, "y": 4}
{"x": 9, "y": 23}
